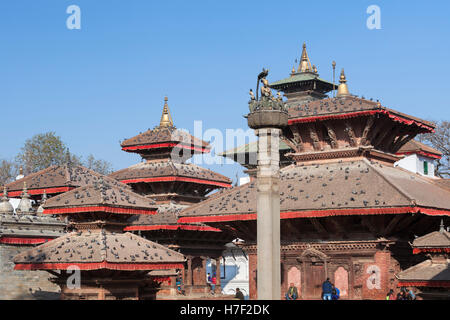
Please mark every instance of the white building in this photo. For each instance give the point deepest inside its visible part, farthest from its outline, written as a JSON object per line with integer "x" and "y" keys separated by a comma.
{"x": 419, "y": 158}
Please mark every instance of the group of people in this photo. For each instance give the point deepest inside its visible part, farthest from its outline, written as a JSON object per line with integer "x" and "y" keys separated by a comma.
{"x": 403, "y": 294}
{"x": 329, "y": 291}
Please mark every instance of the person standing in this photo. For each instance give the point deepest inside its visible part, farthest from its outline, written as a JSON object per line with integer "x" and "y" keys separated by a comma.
{"x": 208, "y": 280}
{"x": 213, "y": 283}
{"x": 327, "y": 289}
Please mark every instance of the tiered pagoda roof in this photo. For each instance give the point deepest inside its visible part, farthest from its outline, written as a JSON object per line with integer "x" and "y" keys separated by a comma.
{"x": 166, "y": 178}
{"x": 168, "y": 170}
{"x": 98, "y": 213}
{"x": 99, "y": 250}
{"x": 331, "y": 189}
{"x": 56, "y": 179}
{"x": 433, "y": 272}
{"x": 165, "y": 141}
{"x": 350, "y": 107}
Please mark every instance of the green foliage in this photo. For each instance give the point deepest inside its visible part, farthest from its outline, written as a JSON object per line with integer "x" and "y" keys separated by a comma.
{"x": 8, "y": 171}
{"x": 41, "y": 151}
{"x": 47, "y": 149}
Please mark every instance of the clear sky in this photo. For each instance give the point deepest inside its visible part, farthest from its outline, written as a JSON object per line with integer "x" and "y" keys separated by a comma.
{"x": 106, "y": 81}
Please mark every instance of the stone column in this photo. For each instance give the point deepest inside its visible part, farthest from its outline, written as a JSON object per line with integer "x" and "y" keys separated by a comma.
{"x": 189, "y": 272}
{"x": 268, "y": 214}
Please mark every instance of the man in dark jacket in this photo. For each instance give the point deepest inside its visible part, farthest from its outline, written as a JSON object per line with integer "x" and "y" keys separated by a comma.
{"x": 327, "y": 289}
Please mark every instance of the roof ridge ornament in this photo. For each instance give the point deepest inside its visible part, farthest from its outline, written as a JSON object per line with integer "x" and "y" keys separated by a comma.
{"x": 166, "y": 118}
{"x": 342, "y": 88}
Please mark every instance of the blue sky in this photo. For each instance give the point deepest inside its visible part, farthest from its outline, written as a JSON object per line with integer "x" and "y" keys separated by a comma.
{"x": 107, "y": 81}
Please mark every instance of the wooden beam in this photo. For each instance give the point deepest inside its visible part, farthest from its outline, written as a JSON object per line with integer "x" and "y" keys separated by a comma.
{"x": 314, "y": 137}
{"x": 368, "y": 126}
{"x": 351, "y": 134}
{"x": 319, "y": 227}
{"x": 369, "y": 224}
{"x": 331, "y": 135}
{"x": 391, "y": 225}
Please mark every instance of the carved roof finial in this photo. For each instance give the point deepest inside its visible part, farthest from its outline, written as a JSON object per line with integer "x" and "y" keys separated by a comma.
{"x": 166, "y": 118}
{"x": 342, "y": 88}
{"x": 305, "y": 64}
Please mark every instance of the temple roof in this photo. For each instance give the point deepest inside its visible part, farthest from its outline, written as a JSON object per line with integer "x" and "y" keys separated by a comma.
{"x": 414, "y": 146}
{"x": 101, "y": 194}
{"x": 99, "y": 250}
{"x": 350, "y": 106}
{"x": 298, "y": 77}
{"x": 436, "y": 239}
{"x": 160, "y": 170}
{"x": 57, "y": 179}
{"x": 163, "y": 137}
{"x": 425, "y": 273}
{"x": 165, "y": 219}
{"x": 13, "y": 227}
{"x": 341, "y": 187}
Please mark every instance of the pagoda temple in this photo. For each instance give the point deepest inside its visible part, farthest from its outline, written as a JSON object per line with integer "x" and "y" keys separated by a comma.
{"x": 111, "y": 264}
{"x": 431, "y": 277}
{"x": 346, "y": 212}
{"x": 165, "y": 177}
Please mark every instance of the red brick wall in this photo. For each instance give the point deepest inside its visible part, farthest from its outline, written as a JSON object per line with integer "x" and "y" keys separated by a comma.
{"x": 252, "y": 262}
{"x": 375, "y": 279}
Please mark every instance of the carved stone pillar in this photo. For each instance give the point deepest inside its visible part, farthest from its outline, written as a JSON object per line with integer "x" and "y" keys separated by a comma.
{"x": 268, "y": 214}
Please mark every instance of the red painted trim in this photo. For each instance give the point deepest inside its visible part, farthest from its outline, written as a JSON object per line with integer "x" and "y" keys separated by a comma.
{"x": 165, "y": 145}
{"x": 98, "y": 208}
{"x": 182, "y": 179}
{"x": 420, "y": 250}
{"x": 172, "y": 227}
{"x": 161, "y": 279}
{"x": 318, "y": 214}
{"x": 98, "y": 265}
{"x": 431, "y": 283}
{"x": 361, "y": 113}
{"x": 422, "y": 153}
{"x": 39, "y": 191}
{"x": 16, "y": 240}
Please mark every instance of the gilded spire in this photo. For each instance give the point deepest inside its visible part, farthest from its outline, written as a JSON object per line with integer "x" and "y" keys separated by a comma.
{"x": 305, "y": 64}
{"x": 342, "y": 88}
{"x": 166, "y": 118}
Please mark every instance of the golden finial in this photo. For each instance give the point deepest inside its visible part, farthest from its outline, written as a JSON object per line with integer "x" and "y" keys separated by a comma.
{"x": 342, "y": 88}
{"x": 314, "y": 69}
{"x": 166, "y": 118}
{"x": 305, "y": 64}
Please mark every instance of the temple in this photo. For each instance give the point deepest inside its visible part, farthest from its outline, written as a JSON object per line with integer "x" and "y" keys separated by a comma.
{"x": 165, "y": 177}
{"x": 347, "y": 212}
{"x": 111, "y": 264}
{"x": 430, "y": 278}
